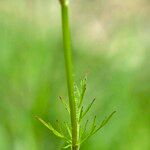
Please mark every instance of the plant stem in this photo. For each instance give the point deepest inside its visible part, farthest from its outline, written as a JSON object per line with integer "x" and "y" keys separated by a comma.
{"x": 69, "y": 71}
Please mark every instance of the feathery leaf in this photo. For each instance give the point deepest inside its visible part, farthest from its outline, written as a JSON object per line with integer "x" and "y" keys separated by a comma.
{"x": 49, "y": 126}
{"x": 104, "y": 122}
{"x": 65, "y": 104}
{"x": 88, "y": 108}
{"x": 83, "y": 89}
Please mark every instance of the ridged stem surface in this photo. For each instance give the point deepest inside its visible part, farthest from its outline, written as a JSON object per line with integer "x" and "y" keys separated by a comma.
{"x": 69, "y": 71}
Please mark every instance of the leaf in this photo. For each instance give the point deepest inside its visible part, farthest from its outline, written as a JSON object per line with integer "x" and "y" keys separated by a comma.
{"x": 76, "y": 99}
{"x": 60, "y": 129}
{"x": 65, "y": 104}
{"x": 91, "y": 131}
{"x": 76, "y": 91}
{"x": 49, "y": 126}
{"x": 104, "y": 122}
{"x": 93, "y": 125}
{"x": 88, "y": 108}
{"x": 81, "y": 112}
{"x": 84, "y": 129}
{"x": 68, "y": 129}
{"x": 83, "y": 89}
{"x": 67, "y": 146}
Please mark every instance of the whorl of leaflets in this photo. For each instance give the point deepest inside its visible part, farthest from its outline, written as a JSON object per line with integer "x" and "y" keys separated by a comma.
{"x": 85, "y": 130}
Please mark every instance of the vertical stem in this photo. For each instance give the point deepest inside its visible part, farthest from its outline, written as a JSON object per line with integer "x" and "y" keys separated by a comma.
{"x": 69, "y": 71}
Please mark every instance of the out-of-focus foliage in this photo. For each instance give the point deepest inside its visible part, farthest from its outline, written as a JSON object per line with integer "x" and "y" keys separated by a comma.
{"x": 111, "y": 44}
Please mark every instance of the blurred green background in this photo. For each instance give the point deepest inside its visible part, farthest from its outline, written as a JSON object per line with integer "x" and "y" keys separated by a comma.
{"x": 111, "y": 42}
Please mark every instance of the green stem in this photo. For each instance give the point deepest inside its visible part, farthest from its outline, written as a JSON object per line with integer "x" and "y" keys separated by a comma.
{"x": 69, "y": 71}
